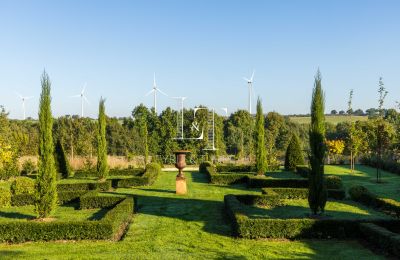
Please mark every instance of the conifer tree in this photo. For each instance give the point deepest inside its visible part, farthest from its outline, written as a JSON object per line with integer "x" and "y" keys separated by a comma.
{"x": 294, "y": 154}
{"x": 102, "y": 166}
{"x": 46, "y": 181}
{"x": 317, "y": 188}
{"x": 62, "y": 163}
{"x": 260, "y": 140}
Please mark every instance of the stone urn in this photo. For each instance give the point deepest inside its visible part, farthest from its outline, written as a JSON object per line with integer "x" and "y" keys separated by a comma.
{"x": 180, "y": 164}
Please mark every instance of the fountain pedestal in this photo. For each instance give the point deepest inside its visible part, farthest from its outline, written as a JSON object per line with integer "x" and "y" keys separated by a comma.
{"x": 180, "y": 156}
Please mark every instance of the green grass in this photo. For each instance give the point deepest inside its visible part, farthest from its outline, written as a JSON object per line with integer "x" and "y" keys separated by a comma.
{"x": 366, "y": 176}
{"x": 299, "y": 209}
{"x": 63, "y": 213}
{"x": 330, "y": 119}
{"x": 168, "y": 226}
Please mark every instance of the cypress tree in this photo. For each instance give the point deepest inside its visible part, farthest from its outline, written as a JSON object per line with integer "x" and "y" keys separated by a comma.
{"x": 294, "y": 155}
{"x": 317, "y": 188}
{"x": 62, "y": 163}
{"x": 46, "y": 181}
{"x": 102, "y": 167}
{"x": 260, "y": 140}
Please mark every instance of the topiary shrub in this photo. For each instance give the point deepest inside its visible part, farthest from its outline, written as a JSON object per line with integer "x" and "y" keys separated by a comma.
{"x": 23, "y": 185}
{"x": 333, "y": 182}
{"x": 361, "y": 194}
{"x": 5, "y": 197}
{"x": 203, "y": 166}
{"x": 294, "y": 154}
{"x": 28, "y": 167}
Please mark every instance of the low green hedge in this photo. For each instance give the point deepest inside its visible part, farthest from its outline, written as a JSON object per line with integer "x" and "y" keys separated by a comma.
{"x": 63, "y": 198}
{"x": 112, "y": 172}
{"x": 332, "y": 182}
{"x": 5, "y": 197}
{"x": 93, "y": 199}
{"x": 260, "y": 200}
{"x": 150, "y": 175}
{"x": 381, "y": 237}
{"x": 110, "y": 227}
{"x": 103, "y": 186}
{"x": 301, "y": 193}
{"x": 203, "y": 166}
{"x": 225, "y": 178}
{"x": 303, "y": 171}
{"x": 246, "y": 227}
{"x": 236, "y": 168}
{"x": 363, "y": 195}
{"x": 23, "y": 185}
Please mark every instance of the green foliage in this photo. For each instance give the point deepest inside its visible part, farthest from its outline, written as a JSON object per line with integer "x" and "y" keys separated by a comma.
{"x": 102, "y": 165}
{"x": 5, "y": 197}
{"x": 294, "y": 154}
{"x": 204, "y": 165}
{"x": 261, "y": 166}
{"x": 303, "y": 171}
{"x": 225, "y": 178}
{"x": 257, "y": 182}
{"x": 334, "y": 182}
{"x": 28, "y": 167}
{"x": 62, "y": 163}
{"x": 140, "y": 115}
{"x": 112, "y": 172}
{"x": 63, "y": 197}
{"x": 265, "y": 200}
{"x": 382, "y": 238}
{"x": 46, "y": 193}
{"x": 301, "y": 193}
{"x": 93, "y": 199}
{"x": 103, "y": 186}
{"x": 317, "y": 188}
{"x": 151, "y": 173}
{"x": 107, "y": 228}
{"x": 23, "y": 185}
{"x": 236, "y": 168}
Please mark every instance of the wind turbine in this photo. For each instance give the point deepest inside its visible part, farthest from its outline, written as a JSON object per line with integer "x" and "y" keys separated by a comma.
{"x": 250, "y": 84}
{"x": 23, "y": 103}
{"x": 83, "y": 98}
{"x": 154, "y": 91}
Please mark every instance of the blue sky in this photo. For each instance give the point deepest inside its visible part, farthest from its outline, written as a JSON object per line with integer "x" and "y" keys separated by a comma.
{"x": 198, "y": 49}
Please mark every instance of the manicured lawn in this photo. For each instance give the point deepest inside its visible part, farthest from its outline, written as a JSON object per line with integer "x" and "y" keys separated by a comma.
{"x": 366, "y": 176}
{"x": 63, "y": 213}
{"x": 334, "y": 209}
{"x": 168, "y": 226}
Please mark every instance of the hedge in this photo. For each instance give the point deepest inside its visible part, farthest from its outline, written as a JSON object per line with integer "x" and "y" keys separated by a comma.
{"x": 109, "y": 227}
{"x": 5, "y": 197}
{"x": 203, "y": 166}
{"x": 363, "y": 195}
{"x": 112, "y": 172}
{"x": 246, "y": 227}
{"x": 63, "y": 197}
{"x": 148, "y": 178}
{"x": 381, "y": 237}
{"x": 103, "y": 186}
{"x": 236, "y": 168}
{"x": 23, "y": 185}
{"x": 301, "y": 193}
{"x": 303, "y": 171}
{"x": 93, "y": 199}
{"x": 225, "y": 178}
{"x": 332, "y": 182}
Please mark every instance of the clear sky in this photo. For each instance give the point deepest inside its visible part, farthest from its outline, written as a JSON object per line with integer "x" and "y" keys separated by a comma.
{"x": 199, "y": 49}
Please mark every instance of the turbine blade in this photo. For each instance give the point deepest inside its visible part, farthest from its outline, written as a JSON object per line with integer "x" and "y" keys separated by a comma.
{"x": 246, "y": 79}
{"x": 87, "y": 101}
{"x": 162, "y": 92}
{"x": 252, "y": 76}
{"x": 84, "y": 87}
{"x": 148, "y": 93}
{"x": 75, "y": 96}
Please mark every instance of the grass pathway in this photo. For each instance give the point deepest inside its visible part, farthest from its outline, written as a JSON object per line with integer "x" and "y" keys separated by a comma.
{"x": 168, "y": 226}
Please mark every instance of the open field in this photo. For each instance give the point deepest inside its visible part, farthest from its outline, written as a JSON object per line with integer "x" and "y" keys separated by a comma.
{"x": 330, "y": 119}
{"x": 194, "y": 226}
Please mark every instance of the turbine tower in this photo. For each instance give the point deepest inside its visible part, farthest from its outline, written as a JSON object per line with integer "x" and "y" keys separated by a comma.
{"x": 23, "y": 99}
{"x": 154, "y": 91}
{"x": 250, "y": 84}
{"x": 83, "y": 98}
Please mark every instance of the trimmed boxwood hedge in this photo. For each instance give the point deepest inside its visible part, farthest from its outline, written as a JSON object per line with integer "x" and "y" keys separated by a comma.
{"x": 236, "y": 168}
{"x": 203, "y": 166}
{"x": 381, "y": 237}
{"x": 93, "y": 199}
{"x": 246, "y": 227}
{"x": 363, "y": 195}
{"x": 148, "y": 177}
{"x": 112, "y": 172}
{"x": 109, "y": 227}
{"x": 303, "y": 171}
{"x": 332, "y": 182}
{"x": 301, "y": 193}
{"x": 63, "y": 198}
{"x": 226, "y": 178}
{"x": 103, "y": 186}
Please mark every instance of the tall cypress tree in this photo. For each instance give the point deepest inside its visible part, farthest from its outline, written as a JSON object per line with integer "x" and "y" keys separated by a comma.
{"x": 62, "y": 163}
{"x": 317, "y": 188}
{"x": 102, "y": 166}
{"x": 46, "y": 181}
{"x": 260, "y": 140}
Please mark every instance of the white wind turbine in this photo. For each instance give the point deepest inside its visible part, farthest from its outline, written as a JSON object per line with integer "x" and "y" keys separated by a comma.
{"x": 23, "y": 99}
{"x": 250, "y": 84}
{"x": 83, "y": 98}
{"x": 154, "y": 91}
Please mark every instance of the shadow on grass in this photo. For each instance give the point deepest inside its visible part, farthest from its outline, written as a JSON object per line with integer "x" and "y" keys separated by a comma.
{"x": 99, "y": 214}
{"x": 15, "y": 215}
{"x": 199, "y": 177}
{"x": 157, "y": 190}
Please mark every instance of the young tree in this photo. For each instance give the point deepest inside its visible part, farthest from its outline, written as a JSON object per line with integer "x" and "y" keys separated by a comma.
{"x": 62, "y": 163}
{"x": 380, "y": 129}
{"x": 294, "y": 154}
{"x": 317, "y": 188}
{"x": 260, "y": 140}
{"x": 352, "y": 130}
{"x": 102, "y": 166}
{"x": 46, "y": 186}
